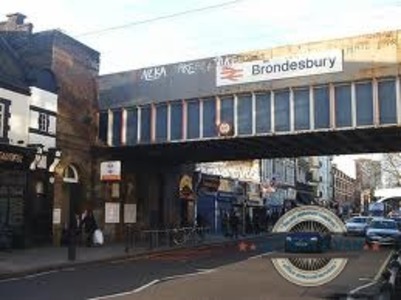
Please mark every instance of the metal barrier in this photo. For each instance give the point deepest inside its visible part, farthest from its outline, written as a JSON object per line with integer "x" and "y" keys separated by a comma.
{"x": 164, "y": 238}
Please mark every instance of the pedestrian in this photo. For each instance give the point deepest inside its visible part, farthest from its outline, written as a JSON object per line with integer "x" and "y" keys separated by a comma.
{"x": 90, "y": 226}
{"x": 234, "y": 222}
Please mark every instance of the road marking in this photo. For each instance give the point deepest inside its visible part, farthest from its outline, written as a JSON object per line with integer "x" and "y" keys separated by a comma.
{"x": 261, "y": 255}
{"x": 145, "y": 286}
{"x": 384, "y": 265}
{"x": 10, "y": 279}
{"x": 28, "y": 276}
{"x": 141, "y": 288}
{"x": 199, "y": 272}
{"x": 375, "y": 280}
{"x": 361, "y": 288}
{"x": 40, "y": 274}
{"x": 153, "y": 282}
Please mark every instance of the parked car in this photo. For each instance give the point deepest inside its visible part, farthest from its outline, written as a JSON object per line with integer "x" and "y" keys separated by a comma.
{"x": 357, "y": 225}
{"x": 384, "y": 232}
{"x": 307, "y": 242}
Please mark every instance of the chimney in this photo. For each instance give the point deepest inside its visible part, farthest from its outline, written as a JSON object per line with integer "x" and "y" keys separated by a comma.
{"x": 15, "y": 22}
{"x": 16, "y": 18}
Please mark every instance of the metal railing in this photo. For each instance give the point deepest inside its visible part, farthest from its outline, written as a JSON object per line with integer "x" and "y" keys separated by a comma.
{"x": 164, "y": 238}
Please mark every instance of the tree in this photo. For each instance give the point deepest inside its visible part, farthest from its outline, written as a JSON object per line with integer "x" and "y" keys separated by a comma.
{"x": 391, "y": 165}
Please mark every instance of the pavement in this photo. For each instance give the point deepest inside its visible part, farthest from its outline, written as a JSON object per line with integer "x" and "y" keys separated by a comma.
{"x": 241, "y": 270}
{"x": 45, "y": 259}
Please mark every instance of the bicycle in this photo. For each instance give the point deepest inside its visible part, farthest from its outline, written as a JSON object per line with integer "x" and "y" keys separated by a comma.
{"x": 182, "y": 235}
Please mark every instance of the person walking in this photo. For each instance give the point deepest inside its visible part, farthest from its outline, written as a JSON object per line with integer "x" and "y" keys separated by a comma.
{"x": 234, "y": 222}
{"x": 90, "y": 226}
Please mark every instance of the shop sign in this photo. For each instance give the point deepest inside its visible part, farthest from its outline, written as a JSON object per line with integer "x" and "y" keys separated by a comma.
{"x": 280, "y": 67}
{"x": 209, "y": 183}
{"x": 11, "y": 157}
{"x": 186, "y": 189}
{"x": 254, "y": 192}
{"x": 226, "y": 186}
{"x": 110, "y": 171}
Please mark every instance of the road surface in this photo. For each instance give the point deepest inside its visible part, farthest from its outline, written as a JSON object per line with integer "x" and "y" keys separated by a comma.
{"x": 244, "y": 271}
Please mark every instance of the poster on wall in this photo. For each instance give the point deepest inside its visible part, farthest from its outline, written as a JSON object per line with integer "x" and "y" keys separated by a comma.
{"x": 129, "y": 213}
{"x": 110, "y": 171}
{"x": 112, "y": 213}
{"x": 57, "y": 216}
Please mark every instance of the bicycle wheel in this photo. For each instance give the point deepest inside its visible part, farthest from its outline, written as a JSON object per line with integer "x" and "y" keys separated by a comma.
{"x": 178, "y": 236}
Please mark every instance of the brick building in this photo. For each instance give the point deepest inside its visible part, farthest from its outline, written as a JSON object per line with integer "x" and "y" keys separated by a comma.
{"x": 344, "y": 189}
{"x": 75, "y": 69}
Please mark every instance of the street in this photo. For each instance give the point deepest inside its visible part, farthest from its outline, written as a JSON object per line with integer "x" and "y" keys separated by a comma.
{"x": 244, "y": 271}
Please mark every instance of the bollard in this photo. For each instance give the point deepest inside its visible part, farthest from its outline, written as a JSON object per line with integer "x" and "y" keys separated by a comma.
{"x": 127, "y": 239}
{"x": 72, "y": 246}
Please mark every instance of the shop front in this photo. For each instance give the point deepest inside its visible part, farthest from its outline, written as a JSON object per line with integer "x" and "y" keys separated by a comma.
{"x": 255, "y": 210}
{"x": 226, "y": 197}
{"x": 14, "y": 195}
{"x": 207, "y": 200}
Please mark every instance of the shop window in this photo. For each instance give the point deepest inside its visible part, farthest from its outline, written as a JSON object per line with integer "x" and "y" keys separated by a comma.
{"x": 70, "y": 174}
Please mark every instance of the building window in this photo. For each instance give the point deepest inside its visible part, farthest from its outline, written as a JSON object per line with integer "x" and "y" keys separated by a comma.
{"x": 146, "y": 119}
{"x": 209, "y": 117}
{"x": 322, "y": 107}
{"x": 70, "y": 174}
{"x": 103, "y": 126}
{"x": 301, "y": 108}
{"x": 387, "y": 101}
{"x": 2, "y": 119}
{"x": 176, "y": 121}
{"x": 43, "y": 122}
{"x": 161, "y": 122}
{"x": 282, "y": 110}
{"x": 263, "y": 113}
{"x": 343, "y": 105}
{"x": 193, "y": 119}
{"x": 364, "y": 104}
{"x": 245, "y": 114}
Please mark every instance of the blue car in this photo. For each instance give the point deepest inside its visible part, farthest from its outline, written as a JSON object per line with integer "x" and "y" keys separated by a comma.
{"x": 307, "y": 242}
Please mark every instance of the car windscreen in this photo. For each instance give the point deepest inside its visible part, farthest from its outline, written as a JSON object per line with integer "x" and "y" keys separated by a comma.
{"x": 358, "y": 220}
{"x": 383, "y": 225}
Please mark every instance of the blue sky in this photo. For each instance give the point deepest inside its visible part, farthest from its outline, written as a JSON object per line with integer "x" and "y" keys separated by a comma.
{"x": 245, "y": 25}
